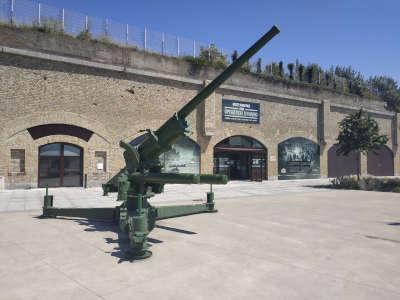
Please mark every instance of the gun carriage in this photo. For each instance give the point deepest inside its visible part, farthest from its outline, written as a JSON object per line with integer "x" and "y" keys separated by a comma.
{"x": 142, "y": 176}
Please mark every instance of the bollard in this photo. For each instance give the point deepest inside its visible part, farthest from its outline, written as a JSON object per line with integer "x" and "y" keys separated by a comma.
{"x": 48, "y": 199}
{"x": 210, "y": 199}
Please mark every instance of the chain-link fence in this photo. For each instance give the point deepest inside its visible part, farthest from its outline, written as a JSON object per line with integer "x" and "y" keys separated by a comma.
{"x": 45, "y": 18}
{"x": 27, "y": 13}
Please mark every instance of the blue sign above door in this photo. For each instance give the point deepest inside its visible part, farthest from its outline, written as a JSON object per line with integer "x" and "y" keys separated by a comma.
{"x": 241, "y": 112}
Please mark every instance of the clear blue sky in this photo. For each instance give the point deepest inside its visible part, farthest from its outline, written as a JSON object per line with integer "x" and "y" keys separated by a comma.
{"x": 362, "y": 33}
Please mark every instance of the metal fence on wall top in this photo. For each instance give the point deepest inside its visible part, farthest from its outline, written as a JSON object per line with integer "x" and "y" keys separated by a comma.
{"x": 27, "y": 13}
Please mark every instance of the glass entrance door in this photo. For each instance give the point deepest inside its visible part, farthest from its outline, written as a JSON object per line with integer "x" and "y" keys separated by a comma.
{"x": 60, "y": 164}
{"x": 240, "y": 158}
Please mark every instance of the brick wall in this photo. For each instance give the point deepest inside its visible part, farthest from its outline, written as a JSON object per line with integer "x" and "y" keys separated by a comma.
{"x": 115, "y": 104}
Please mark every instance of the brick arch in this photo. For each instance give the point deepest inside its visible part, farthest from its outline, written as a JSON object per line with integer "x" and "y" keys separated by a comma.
{"x": 246, "y": 136}
{"x": 255, "y": 134}
{"x": 290, "y": 136}
{"x": 21, "y": 124}
{"x": 60, "y": 139}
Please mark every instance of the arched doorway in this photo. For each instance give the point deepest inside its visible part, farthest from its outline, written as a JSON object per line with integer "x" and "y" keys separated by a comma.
{"x": 241, "y": 158}
{"x": 341, "y": 165}
{"x": 60, "y": 164}
{"x": 298, "y": 158}
{"x": 381, "y": 163}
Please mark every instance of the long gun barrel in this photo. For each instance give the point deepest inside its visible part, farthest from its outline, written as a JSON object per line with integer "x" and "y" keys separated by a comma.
{"x": 210, "y": 88}
{"x": 176, "y": 126}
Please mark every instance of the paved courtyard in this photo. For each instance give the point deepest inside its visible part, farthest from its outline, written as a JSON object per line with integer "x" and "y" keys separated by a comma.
{"x": 272, "y": 240}
{"x": 18, "y": 200}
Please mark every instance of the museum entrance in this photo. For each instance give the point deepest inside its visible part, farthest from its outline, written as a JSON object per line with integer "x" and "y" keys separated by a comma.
{"x": 240, "y": 158}
{"x": 60, "y": 164}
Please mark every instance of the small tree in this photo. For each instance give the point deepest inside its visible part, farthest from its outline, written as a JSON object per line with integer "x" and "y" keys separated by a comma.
{"x": 234, "y": 55}
{"x": 301, "y": 72}
{"x": 290, "y": 68}
{"x": 309, "y": 74}
{"x": 386, "y": 88}
{"x": 84, "y": 35}
{"x": 213, "y": 56}
{"x": 258, "y": 66}
{"x": 327, "y": 78}
{"x": 274, "y": 69}
{"x": 246, "y": 67}
{"x": 280, "y": 68}
{"x": 359, "y": 133}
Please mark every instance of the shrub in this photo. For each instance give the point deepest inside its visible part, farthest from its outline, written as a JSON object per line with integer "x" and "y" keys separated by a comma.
{"x": 49, "y": 25}
{"x": 345, "y": 182}
{"x": 84, "y": 35}
{"x": 367, "y": 184}
{"x": 104, "y": 39}
{"x": 396, "y": 189}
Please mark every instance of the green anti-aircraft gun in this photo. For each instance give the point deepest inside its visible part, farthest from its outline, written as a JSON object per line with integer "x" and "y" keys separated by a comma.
{"x": 142, "y": 177}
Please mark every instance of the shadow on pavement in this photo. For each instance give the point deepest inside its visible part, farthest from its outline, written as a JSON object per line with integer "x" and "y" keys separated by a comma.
{"x": 322, "y": 186}
{"x": 382, "y": 239}
{"x": 175, "y": 229}
{"x": 122, "y": 241}
{"x": 393, "y": 223}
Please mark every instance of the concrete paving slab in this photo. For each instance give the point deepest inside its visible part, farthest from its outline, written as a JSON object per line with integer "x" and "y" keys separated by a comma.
{"x": 313, "y": 244}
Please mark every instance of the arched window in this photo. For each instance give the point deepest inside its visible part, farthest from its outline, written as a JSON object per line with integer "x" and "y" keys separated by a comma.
{"x": 60, "y": 164}
{"x": 298, "y": 158}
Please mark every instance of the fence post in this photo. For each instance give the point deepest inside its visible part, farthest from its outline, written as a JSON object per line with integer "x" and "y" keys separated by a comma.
{"x": 106, "y": 27}
{"x": 63, "y": 19}
{"x": 194, "y": 48}
{"x": 145, "y": 38}
{"x": 39, "y": 17}
{"x": 177, "y": 44}
{"x": 127, "y": 34}
{"x": 163, "y": 44}
{"x": 12, "y": 12}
